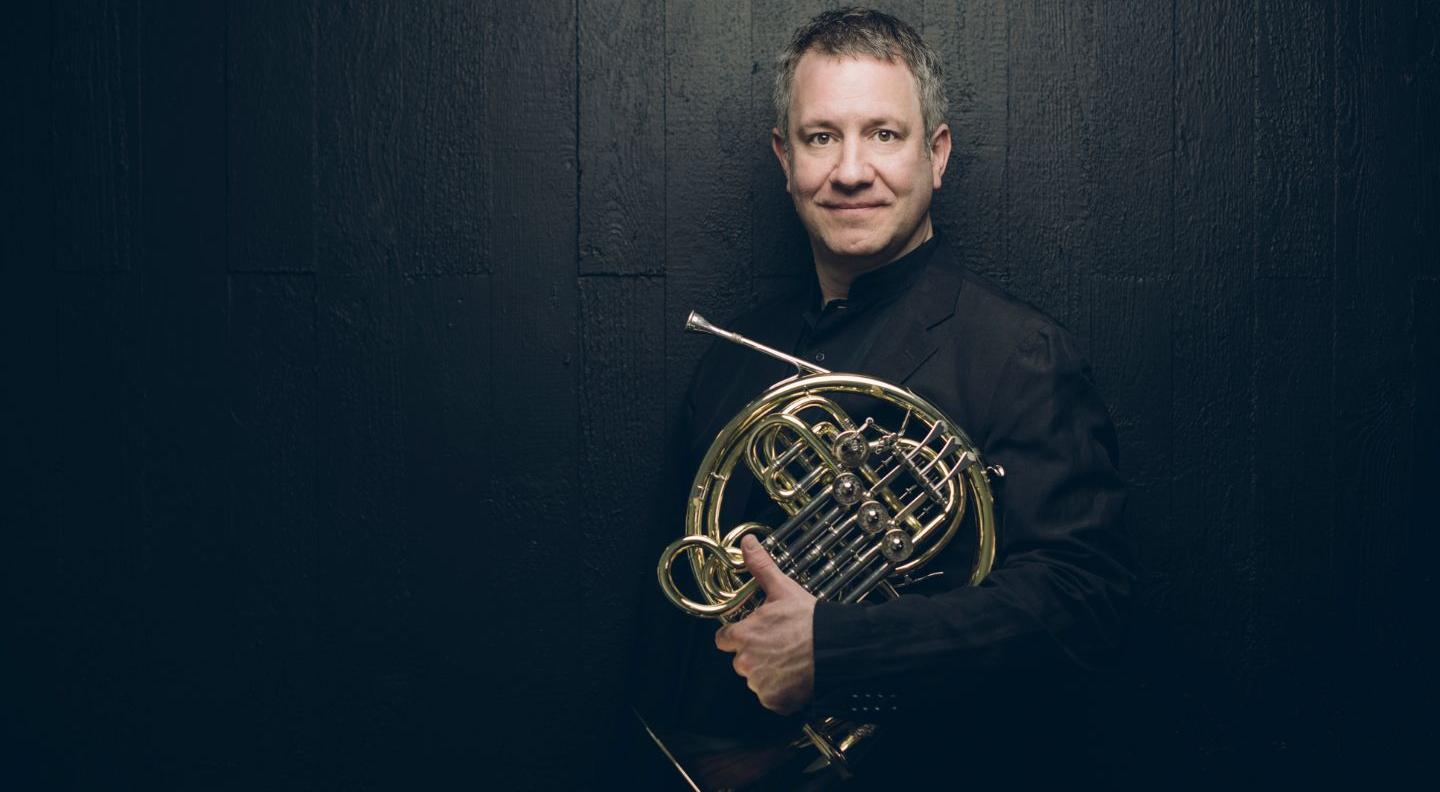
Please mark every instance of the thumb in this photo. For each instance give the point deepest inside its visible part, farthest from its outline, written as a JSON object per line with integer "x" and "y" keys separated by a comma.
{"x": 762, "y": 567}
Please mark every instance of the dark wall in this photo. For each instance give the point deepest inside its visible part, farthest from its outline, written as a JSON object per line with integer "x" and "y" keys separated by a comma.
{"x": 341, "y": 339}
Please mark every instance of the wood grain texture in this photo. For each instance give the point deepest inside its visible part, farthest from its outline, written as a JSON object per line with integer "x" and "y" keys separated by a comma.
{"x": 449, "y": 463}
{"x": 1294, "y": 134}
{"x": 272, "y": 402}
{"x": 1131, "y": 147}
{"x": 365, "y": 541}
{"x": 96, "y": 83}
{"x": 622, "y": 465}
{"x": 99, "y": 534}
{"x": 1427, "y": 130}
{"x": 270, "y": 140}
{"x": 971, "y": 206}
{"x": 409, "y": 92}
{"x": 1417, "y": 573}
{"x": 622, "y": 137}
{"x": 709, "y": 154}
{"x": 1126, "y": 282}
{"x": 1300, "y": 579}
{"x": 532, "y": 80}
{"x": 1375, "y": 271}
{"x": 1048, "y": 182}
{"x": 27, "y": 422}
{"x": 1292, "y": 378}
{"x": 187, "y": 547}
{"x": 1207, "y": 560}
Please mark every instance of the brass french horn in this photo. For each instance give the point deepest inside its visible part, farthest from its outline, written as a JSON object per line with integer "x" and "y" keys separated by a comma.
{"x": 867, "y": 505}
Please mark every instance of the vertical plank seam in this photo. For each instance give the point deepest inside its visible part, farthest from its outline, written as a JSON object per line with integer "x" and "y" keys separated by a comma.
{"x": 582, "y": 492}
{"x": 225, "y": 140}
{"x": 1334, "y": 265}
{"x": 668, "y": 364}
{"x": 1005, "y": 166}
{"x": 751, "y": 185}
{"x": 664, "y": 159}
{"x": 1253, "y": 539}
{"x": 1174, "y": 254}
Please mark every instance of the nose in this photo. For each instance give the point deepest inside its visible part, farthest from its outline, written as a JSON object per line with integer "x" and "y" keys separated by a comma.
{"x": 853, "y": 171}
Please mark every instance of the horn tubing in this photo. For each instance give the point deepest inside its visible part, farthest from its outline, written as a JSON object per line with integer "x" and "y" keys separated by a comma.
{"x": 699, "y": 324}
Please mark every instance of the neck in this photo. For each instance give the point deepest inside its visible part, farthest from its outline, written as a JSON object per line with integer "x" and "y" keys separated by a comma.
{"x": 837, "y": 273}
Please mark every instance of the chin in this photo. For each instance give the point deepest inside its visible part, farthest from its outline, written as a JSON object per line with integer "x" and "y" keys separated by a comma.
{"x": 856, "y": 246}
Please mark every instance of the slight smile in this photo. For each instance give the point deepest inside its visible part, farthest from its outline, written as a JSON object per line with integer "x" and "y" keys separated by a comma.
{"x": 853, "y": 207}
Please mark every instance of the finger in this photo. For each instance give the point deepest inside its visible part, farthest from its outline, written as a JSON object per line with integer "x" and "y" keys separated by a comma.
{"x": 762, "y": 567}
{"x": 741, "y": 668}
{"x": 724, "y": 641}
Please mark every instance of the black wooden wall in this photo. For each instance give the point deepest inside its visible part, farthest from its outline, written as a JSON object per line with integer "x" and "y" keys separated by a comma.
{"x": 340, "y": 340}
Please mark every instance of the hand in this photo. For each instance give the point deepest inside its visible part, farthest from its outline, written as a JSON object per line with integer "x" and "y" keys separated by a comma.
{"x": 775, "y": 645}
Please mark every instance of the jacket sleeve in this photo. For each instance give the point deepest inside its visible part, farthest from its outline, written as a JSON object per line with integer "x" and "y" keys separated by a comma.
{"x": 1057, "y": 597}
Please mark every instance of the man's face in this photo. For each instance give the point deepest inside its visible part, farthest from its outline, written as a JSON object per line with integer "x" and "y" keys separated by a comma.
{"x": 858, "y": 168}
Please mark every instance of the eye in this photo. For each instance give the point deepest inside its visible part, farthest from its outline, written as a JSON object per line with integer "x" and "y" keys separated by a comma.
{"x": 885, "y": 136}
{"x": 820, "y": 139}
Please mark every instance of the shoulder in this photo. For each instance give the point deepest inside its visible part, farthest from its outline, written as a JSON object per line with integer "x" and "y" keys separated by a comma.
{"x": 990, "y": 326}
{"x": 997, "y": 353}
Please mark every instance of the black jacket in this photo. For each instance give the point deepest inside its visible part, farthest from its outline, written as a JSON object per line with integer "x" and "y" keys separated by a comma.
{"x": 961, "y": 660}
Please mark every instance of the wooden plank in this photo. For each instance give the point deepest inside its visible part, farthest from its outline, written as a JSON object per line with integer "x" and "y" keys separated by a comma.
{"x": 1376, "y": 259}
{"x": 530, "y": 70}
{"x": 1417, "y": 571}
{"x": 1295, "y": 477}
{"x": 450, "y": 459}
{"x": 1427, "y": 110}
{"x": 622, "y": 137}
{"x": 911, "y": 12}
{"x": 1131, "y": 150}
{"x": 778, "y": 242}
{"x": 1294, "y": 167}
{"x": 1048, "y": 183}
{"x": 709, "y": 147}
{"x": 364, "y": 543}
{"x": 443, "y": 160}
{"x": 1292, "y": 395}
{"x": 971, "y": 207}
{"x": 27, "y": 422}
{"x": 183, "y": 342}
{"x": 270, "y": 140}
{"x": 1206, "y": 560}
{"x": 622, "y": 462}
{"x": 97, "y": 135}
{"x": 417, "y": 136}
{"x": 1129, "y": 327}
{"x": 100, "y": 539}
{"x": 273, "y": 402}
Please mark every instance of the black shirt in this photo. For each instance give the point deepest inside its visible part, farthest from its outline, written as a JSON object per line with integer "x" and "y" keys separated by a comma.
{"x": 951, "y": 662}
{"x": 839, "y": 334}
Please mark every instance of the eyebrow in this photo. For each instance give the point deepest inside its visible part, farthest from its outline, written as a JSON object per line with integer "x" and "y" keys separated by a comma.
{"x": 874, "y": 121}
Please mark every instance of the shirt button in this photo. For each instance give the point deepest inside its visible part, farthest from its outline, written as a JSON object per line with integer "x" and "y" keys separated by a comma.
{"x": 819, "y": 357}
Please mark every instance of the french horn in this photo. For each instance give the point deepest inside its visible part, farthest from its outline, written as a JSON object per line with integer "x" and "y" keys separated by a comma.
{"x": 867, "y": 501}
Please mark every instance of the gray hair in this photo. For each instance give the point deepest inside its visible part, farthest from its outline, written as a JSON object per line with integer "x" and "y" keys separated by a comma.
{"x": 862, "y": 31}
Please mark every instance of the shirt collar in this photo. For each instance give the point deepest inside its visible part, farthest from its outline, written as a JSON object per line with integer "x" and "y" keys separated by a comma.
{"x": 881, "y": 283}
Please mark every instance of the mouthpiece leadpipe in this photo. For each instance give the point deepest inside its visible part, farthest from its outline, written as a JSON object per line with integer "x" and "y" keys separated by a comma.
{"x": 699, "y": 324}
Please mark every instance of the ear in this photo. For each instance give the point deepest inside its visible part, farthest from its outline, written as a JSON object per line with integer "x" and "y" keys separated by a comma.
{"x": 777, "y": 144}
{"x": 939, "y": 153}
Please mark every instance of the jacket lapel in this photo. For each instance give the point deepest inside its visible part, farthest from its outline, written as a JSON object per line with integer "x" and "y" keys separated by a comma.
{"x": 907, "y": 344}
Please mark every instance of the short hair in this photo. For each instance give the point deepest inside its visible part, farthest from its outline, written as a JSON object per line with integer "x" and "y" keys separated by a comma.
{"x": 862, "y": 31}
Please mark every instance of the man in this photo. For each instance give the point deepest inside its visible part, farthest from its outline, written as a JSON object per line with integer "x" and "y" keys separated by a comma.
{"x": 863, "y": 145}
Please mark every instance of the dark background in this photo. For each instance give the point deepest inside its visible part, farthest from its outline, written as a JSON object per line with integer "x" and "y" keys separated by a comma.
{"x": 340, "y": 340}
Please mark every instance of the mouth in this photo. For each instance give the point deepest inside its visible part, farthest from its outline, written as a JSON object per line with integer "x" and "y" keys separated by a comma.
{"x": 852, "y": 208}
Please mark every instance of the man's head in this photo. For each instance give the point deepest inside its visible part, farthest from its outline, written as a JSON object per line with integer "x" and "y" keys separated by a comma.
{"x": 861, "y": 136}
